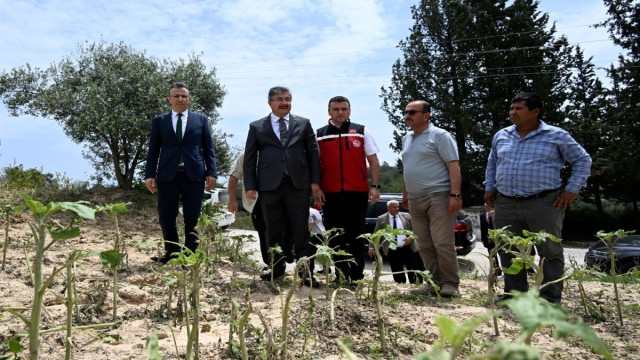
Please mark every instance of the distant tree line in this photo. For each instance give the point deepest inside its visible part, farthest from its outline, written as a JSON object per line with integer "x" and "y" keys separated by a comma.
{"x": 469, "y": 58}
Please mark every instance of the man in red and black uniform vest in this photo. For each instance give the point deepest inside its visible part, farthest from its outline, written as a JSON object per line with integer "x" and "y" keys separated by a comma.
{"x": 345, "y": 148}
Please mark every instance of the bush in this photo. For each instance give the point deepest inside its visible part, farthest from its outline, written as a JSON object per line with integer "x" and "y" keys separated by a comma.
{"x": 16, "y": 177}
{"x": 583, "y": 221}
{"x": 44, "y": 186}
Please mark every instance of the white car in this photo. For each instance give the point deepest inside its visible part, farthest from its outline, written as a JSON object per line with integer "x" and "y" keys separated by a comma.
{"x": 223, "y": 217}
{"x": 217, "y": 196}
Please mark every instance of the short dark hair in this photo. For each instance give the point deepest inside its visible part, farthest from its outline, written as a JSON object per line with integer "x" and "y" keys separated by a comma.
{"x": 338, "y": 99}
{"x": 532, "y": 100}
{"x": 426, "y": 107}
{"x": 178, "y": 85}
{"x": 277, "y": 90}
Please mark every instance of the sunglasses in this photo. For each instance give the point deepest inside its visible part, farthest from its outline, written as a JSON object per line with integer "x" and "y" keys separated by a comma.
{"x": 412, "y": 112}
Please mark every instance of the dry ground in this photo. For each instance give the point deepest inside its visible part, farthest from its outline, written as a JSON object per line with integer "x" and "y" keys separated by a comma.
{"x": 143, "y": 308}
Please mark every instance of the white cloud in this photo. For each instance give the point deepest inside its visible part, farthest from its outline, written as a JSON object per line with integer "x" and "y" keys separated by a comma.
{"x": 318, "y": 48}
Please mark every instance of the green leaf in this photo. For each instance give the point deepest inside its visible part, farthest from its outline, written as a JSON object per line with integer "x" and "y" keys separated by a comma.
{"x": 65, "y": 233}
{"x": 110, "y": 257}
{"x": 323, "y": 255}
{"x": 15, "y": 346}
{"x": 516, "y": 266}
{"x": 534, "y": 313}
{"x": 456, "y": 334}
{"x": 79, "y": 208}
{"x": 512, "y": 351}
{"x": 117, "y": 207}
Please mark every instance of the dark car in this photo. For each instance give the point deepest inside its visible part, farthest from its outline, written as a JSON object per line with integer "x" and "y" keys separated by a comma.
{"x": 627, "y": 252}
{"x": 465, "y": 238}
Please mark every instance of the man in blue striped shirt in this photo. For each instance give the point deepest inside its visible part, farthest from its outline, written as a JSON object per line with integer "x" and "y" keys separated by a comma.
{"x": 524, "y": 186}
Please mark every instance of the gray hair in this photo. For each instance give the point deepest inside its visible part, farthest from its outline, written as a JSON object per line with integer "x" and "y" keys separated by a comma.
{"x": 278, "y": 90}
{"x": 393, "y": 202}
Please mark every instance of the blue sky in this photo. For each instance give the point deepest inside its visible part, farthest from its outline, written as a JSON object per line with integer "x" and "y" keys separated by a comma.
{"x": 318, "y": 49}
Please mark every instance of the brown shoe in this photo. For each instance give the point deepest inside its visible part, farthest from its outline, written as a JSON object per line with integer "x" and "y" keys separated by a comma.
{"x": 424, "y": 290}
{"x": 449, "y": 290}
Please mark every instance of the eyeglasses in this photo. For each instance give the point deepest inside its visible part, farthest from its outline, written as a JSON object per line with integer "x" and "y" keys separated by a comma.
{"x": 412, "y": 112}
{"x": 279, "y": 99}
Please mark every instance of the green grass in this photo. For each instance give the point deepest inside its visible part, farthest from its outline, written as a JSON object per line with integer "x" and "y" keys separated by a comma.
{"x": 243, "y": 221}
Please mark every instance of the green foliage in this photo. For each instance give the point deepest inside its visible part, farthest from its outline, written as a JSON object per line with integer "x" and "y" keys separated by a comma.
{"x": 41, "y": 222}
{"x": 456, "y": 334}
{"x": 621, "y": 122}
{"x": 111, "y": 258}
{"x": 15, "y": 346}
{"x": 582, "y": 221}
{"x": 470, "y": 78}
{"x": 610, "y": 239}
{"x": 535, "y": 314}
{"x": 105, "y": 95}
{"x": 243, "y": 221}
{"x": 17, "y": 177}
{"x": 390, "y": 178}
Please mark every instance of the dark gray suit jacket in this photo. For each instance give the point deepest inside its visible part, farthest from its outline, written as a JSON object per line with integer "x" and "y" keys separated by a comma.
{"x": 383, "y": 221}
{"x": 265, "y": 156}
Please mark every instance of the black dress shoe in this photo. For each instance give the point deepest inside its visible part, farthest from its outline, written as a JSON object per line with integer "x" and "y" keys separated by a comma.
{"x": 267, "y": 276}
{"x": 162, "y": 259}
{"x": 313, "y": 283}
{"x": 502, "y": 297}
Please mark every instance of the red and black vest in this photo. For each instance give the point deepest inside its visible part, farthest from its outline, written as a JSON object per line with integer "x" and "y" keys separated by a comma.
{"x": 343, "y": 165}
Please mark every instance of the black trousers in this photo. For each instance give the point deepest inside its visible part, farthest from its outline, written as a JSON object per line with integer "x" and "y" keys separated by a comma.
{"x": 286, "y": 211}
{"x": 347, "y": 210}
{"x": 261, "y": 227}
{"x": 401, "y": 258}
{"x": 169, "y": 195}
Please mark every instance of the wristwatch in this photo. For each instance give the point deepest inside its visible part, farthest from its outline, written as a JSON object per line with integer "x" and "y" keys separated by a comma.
{"x": 375, "y": 186}
{"x": 457, "y": 196}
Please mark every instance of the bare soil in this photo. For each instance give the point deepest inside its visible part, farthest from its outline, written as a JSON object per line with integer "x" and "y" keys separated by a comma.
{"x": 143, "y": 307}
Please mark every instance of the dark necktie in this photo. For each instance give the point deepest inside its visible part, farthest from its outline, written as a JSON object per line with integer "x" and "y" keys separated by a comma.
{"x": 394, "y": 222}
{"x": 179, "y": 128}
{"x": 284, "y": 134}
{"x": 179, "y": 134}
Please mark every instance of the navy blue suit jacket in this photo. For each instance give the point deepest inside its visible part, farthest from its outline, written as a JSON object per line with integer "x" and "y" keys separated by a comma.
{"x": 196, "y": 149}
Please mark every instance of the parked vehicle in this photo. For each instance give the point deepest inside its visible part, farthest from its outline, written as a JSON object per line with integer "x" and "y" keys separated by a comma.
{"x": 627, "y": 252}
{"x": 465, "y": 237}
{"x": 214, "y": 204}
{"x": 217, "y": 199}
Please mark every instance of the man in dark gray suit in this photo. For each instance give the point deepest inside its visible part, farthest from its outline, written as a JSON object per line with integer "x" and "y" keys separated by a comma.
{"x": 281, "y": 162}
{"x": 181, "y": 155}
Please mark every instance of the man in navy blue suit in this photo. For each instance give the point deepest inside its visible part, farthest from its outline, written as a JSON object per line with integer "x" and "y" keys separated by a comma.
{"x": 180, "y": 161}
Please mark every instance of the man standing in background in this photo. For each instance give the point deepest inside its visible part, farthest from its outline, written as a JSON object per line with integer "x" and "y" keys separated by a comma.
{"x": 405, "y": 254}
{"x": 252, "y": 206}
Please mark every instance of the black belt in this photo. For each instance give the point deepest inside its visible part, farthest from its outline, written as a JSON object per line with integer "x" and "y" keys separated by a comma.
{"x": 181, "y": 167}
{"x": 534, "y": 196}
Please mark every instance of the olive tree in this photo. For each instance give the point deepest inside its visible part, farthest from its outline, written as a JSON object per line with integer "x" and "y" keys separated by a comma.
{"x": 104, "y": 97}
